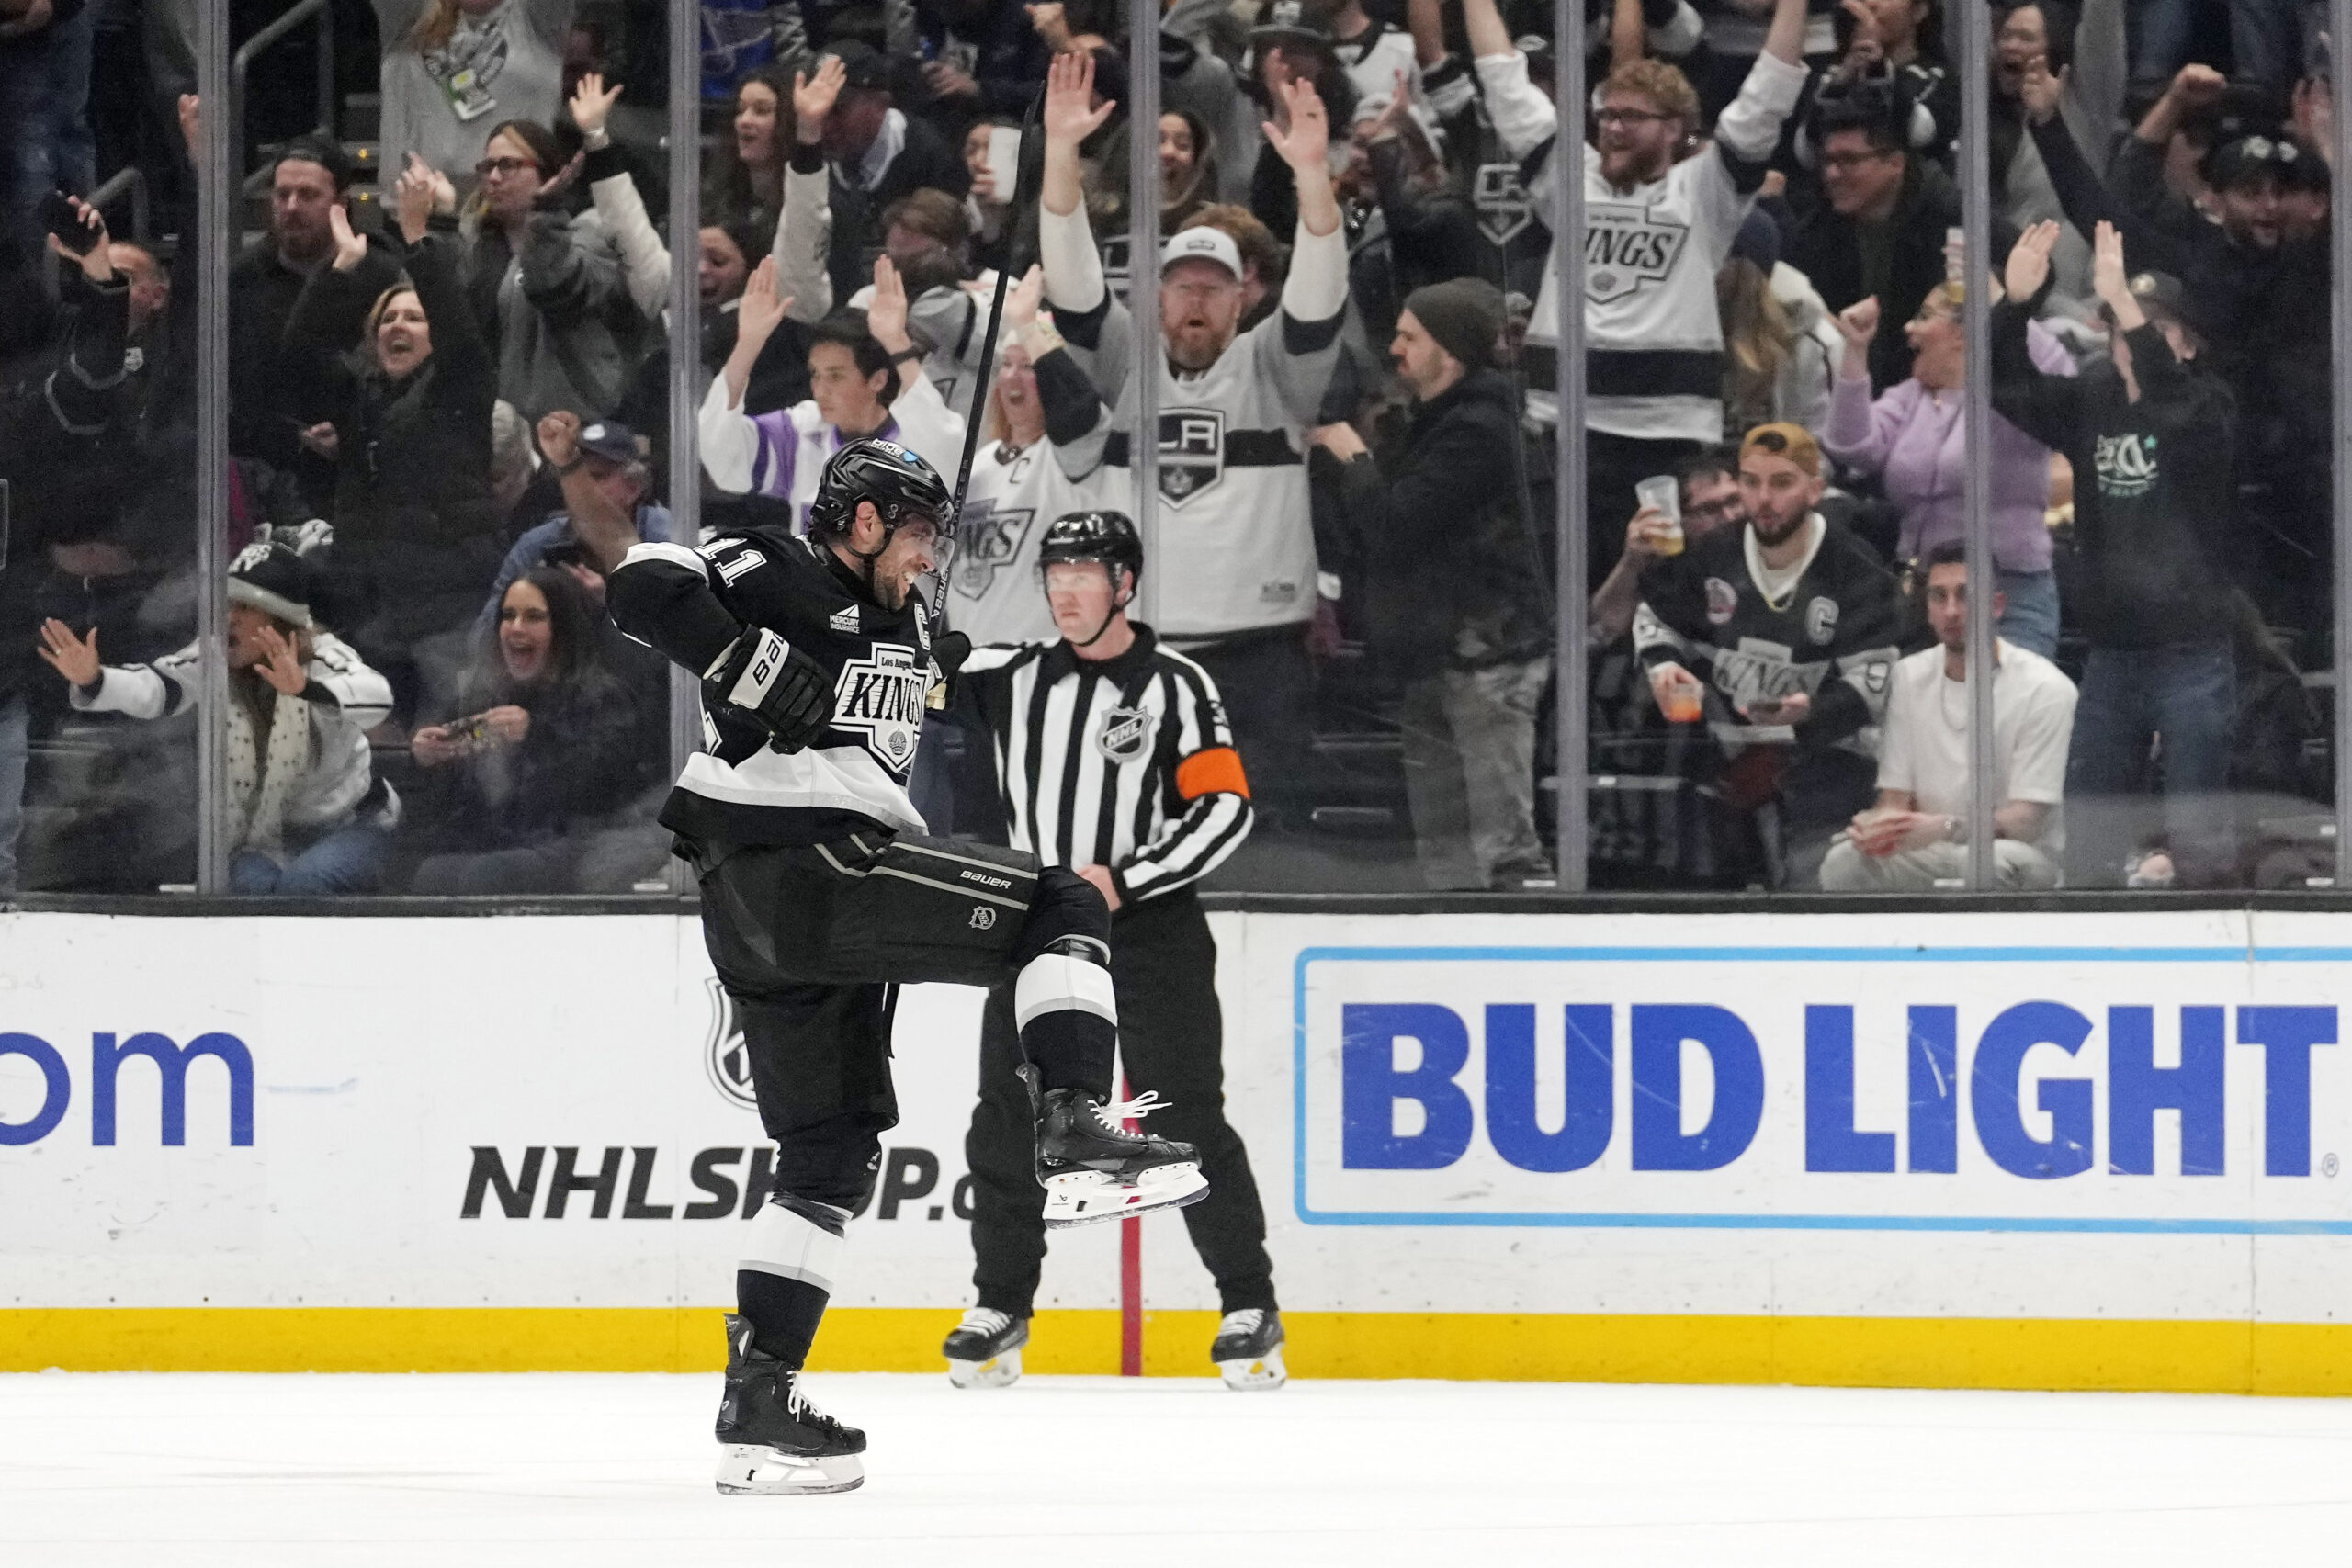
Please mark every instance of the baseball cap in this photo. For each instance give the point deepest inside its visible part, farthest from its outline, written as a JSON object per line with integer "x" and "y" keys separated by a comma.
{"x": 1201, "y": 244}
{"x": 1291, "y": 21}
{"x": 862, "y": 63}
{"x": 609, "y": 439}
{"x": 1785, "y": 440}
{"x": 2249, "y": 157}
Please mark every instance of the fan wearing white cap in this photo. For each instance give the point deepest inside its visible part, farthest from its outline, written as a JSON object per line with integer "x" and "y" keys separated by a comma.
{"x": 1235, "y": 538}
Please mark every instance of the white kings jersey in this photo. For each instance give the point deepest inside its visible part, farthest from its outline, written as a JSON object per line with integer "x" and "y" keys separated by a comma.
{"x": 1654, "y": 341}
{"x": 783, "y": 454}
{"x": 1236, "y": 544}
{"x": 993, "y": 594}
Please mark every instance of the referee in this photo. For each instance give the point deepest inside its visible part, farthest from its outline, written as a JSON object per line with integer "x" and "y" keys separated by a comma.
{"x": 1114, "y": 758}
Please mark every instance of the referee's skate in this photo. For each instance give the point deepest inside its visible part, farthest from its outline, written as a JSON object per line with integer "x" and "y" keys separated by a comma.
{"x": 1094, "y": 1169}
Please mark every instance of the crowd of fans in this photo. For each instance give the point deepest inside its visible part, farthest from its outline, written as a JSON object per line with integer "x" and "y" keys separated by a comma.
{"x": 451, "y": 347}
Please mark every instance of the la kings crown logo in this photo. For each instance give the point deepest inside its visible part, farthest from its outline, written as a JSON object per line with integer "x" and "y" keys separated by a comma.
{"x": 1626, "y": 249}
{"x": 880, "y": 697}
{"x": 1500, "y": 201}
{"x": 1191, "y": 453}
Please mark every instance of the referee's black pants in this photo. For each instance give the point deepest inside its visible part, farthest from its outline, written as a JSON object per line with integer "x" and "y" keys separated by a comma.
{"x": 1163, "y": 965}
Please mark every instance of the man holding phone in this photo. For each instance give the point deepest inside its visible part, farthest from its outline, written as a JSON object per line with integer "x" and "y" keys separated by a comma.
{"x": 1781, "y": 636}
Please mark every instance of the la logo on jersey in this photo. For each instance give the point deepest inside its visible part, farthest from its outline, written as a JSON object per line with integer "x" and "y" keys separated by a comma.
{"x": 1501, "y": 200}
{"x": 1626, "y": 249}
{"x": 1191, "y": 453}
{"x": 985, "y": 544}
{"x": 880, "y": 697}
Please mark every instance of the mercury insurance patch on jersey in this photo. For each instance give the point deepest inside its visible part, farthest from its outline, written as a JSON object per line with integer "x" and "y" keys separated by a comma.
{"x": 880, "y": 697}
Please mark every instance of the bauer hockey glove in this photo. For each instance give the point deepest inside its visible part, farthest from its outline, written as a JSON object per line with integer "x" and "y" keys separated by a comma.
{"x": 777, "y": 683}
{"x": 948, "y": 651}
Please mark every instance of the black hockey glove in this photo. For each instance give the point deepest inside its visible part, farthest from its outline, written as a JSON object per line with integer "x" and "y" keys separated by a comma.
{"x": 948, "y": 651}
{"x": 774, "y": 682}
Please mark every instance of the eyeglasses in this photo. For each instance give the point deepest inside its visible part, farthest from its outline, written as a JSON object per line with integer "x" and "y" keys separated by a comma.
{"x": 506, "y": 168}
{"x": 1633, "y": 116}
{"x": 1716, "y": 509}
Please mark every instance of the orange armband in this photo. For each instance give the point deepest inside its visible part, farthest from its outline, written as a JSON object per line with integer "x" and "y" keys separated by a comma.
{"x": 1216, "y": 771}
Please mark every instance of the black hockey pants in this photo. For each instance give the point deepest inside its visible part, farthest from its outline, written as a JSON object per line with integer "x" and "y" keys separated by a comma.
{"x": 809, "y": 943}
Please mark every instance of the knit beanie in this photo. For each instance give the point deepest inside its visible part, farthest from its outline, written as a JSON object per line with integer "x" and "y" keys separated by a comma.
{"x": 275, "y": 581}
{"x": 1466, "y": 316}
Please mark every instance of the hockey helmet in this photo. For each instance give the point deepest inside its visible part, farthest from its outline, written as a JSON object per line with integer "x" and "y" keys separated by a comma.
{"x": 1105, "y": 537}
{"x": 903, "y": 488}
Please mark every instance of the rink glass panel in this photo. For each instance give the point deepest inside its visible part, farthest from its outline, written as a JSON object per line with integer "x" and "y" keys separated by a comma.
{"x": 113, "y": 806}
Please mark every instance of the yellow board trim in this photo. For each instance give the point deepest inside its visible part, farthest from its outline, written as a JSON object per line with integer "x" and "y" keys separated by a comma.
{"x": 1870, "y": 1352}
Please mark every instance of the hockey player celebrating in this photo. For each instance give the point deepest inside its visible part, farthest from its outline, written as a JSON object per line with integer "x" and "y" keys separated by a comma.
{"x": 820, "y": 893}
{"x": 1145, "y": 796}
{"x": 1781, "y": 636}
{"x": 1656, "y": 231}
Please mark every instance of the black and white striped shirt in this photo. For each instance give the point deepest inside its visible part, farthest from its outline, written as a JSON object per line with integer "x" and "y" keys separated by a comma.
{"x": 1125, "y": 762}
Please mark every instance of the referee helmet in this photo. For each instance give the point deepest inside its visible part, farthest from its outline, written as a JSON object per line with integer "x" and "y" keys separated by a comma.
{"x": 1105, "y": 537}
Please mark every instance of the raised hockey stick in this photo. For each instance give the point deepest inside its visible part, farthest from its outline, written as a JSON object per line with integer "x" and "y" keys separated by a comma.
{"x": 996, "y": 312}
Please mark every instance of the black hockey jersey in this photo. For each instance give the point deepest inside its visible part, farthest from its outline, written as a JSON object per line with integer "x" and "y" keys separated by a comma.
{"x": 1831, "y": 633}
{"x": 693, "y": 604}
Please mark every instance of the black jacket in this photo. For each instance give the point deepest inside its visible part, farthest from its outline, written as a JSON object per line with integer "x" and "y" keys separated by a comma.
{"x": 926, "y": 160}
{"x": 2155, "y": 506}
{"x": 416, "y": 531}
{"x": 577, "y": 764}
{"x": 1454, "y": 577}
{"x": 1827, "y": 249}
{"x": 280, "y": 384}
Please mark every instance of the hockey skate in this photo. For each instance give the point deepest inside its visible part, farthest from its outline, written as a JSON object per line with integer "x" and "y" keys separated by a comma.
{"x": 1249, "y": 1349}
{"x": 772, "y": 1442}
{"x": 985, "y": 1349}
{"x": 1094, "y": 1169}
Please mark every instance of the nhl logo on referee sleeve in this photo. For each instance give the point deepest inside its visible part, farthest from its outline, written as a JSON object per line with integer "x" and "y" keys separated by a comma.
{"x": 1125, "y": 735}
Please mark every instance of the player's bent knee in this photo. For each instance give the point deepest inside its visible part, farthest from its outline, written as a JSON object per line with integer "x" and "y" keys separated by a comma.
{"x": 1066, "y": 909}
{"x": 835, "y": 1164}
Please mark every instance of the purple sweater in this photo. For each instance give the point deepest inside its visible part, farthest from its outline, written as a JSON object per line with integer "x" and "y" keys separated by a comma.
{"x": 1916, "y": 448}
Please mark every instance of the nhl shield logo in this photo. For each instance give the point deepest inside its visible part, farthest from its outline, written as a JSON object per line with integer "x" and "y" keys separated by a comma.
{"x": 985, "y": 545}
{"x": 1500, "y": 201}
{"x": 723, "y": 1055}
{"x": 1125, "y": 735}
{"x": 1191, "y": 453}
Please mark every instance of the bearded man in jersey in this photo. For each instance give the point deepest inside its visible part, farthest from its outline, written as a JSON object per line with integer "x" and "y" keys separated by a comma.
{"x": 1658, "y": 228}
{"x": 821, "y": 894}
{"x": 1238, "y": 571}
{"x": 1782, "y": 637}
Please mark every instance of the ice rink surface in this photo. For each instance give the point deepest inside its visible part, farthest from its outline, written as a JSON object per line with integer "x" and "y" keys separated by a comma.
{"x": 192, "y": 1471}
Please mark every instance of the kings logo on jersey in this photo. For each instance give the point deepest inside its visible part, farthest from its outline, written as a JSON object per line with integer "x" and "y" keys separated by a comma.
{"x": 1501, "y": 200}
{"x": 1627, "y": 249}
{"x": 880, "y": 697}
{"x": 987, "y": 541}
{"x": 1191, "y": 453}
